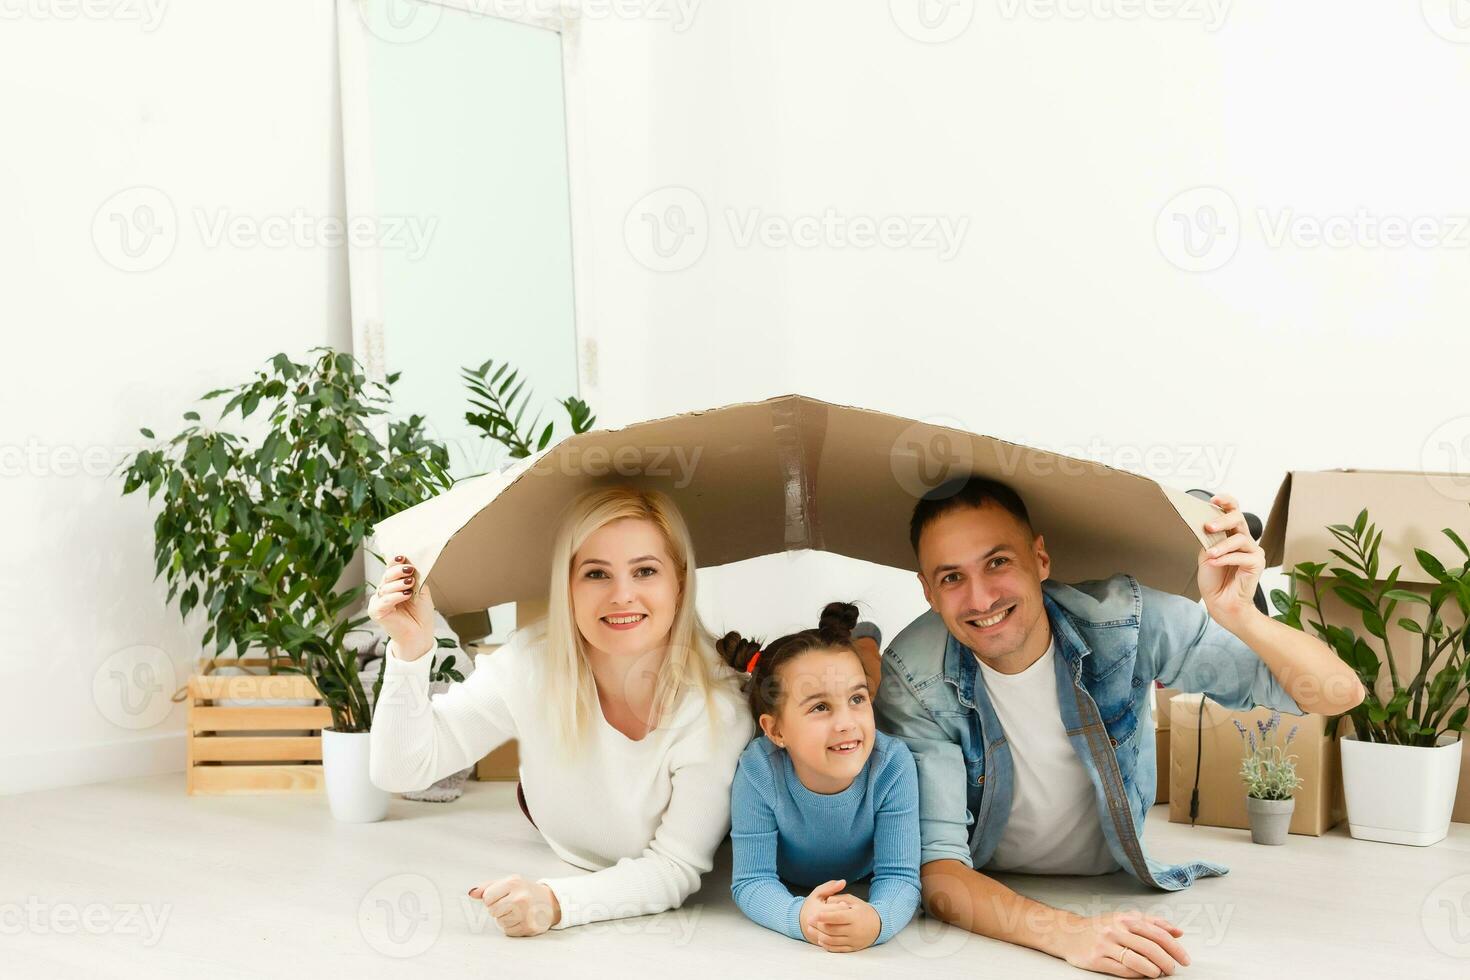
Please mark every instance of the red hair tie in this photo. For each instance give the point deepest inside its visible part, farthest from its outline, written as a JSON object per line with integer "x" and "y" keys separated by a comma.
{"x": 750, "y": 666}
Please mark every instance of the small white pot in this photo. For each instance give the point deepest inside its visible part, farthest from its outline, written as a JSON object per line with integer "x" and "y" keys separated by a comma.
{"x": 1400, "y": 794}
{"x": 350, "y": 793}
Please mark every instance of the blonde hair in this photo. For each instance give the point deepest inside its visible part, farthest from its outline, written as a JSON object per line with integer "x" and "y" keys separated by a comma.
{"x": 690, "y": 661}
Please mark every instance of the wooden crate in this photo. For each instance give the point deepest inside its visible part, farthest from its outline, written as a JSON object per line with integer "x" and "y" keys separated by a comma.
{"x": 225, "y": 758}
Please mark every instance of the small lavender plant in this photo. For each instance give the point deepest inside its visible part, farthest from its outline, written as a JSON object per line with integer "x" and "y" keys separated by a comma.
{"x": 1268, "y": 772}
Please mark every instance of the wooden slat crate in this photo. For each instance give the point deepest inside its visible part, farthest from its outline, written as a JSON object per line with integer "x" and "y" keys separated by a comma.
{"x": 223, "y": 758}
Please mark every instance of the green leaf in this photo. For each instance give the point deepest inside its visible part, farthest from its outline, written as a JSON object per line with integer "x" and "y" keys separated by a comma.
{"x": 148, "y": 433}
{"x": 1458, "y": 542}
{"x": 1430, "y": 564}
{"x": 1404, "y": 595}
{"x": 1361, "y": 521}
{"x": 1373, "y": 623}
{"x": 1354, "y": 598}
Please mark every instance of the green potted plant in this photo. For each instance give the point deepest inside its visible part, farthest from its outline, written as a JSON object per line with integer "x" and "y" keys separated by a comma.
{"x": 261, "y": 535}
{"x": 502, "y": 399}
{"x": 1270, "y": 780}
{"x": 1401, "y": 764}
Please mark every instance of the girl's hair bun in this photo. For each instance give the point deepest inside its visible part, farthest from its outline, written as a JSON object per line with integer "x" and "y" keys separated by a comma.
{"x": 837, "y": 621}
{"x": 736, "y": 650}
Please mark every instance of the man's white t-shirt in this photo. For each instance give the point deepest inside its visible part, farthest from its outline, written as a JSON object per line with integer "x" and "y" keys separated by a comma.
{"x": 1053, "y": 826}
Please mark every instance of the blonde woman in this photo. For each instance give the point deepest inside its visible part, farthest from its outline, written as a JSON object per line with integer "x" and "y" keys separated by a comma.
{"x": 629, "y": 725}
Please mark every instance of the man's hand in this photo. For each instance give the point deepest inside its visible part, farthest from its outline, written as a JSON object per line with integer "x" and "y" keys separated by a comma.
{"x": 1229, "y": 571}
{"x": 1124, "y": 944}
{"x": 846, "y": 924}
{"x": 520, "y": 907}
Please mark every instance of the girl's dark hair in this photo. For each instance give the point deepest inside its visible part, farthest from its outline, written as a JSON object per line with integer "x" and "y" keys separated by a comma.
{"x": 833, "y": 630}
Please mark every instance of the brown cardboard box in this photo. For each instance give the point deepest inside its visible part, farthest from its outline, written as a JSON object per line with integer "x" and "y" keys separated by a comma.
{"x": 1319, "y": 805}
{"x": 788, "y": 474}
{"x": 1161, "y": 754}
{"x": 1161, "y": 741}
{"x": 1409, "y": 509}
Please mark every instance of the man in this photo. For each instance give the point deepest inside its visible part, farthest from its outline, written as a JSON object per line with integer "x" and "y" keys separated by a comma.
{"x": 1026, "y": 704}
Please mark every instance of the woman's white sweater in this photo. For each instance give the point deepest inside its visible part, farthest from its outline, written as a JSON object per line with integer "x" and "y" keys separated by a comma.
{"x": 644, "y": 816}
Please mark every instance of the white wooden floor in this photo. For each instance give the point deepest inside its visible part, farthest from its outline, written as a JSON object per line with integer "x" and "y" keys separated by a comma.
{"x": 135, "y": 879}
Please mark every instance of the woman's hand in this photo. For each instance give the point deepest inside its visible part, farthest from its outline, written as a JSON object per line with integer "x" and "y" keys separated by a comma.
{"x": 520, "y": 907}
{"x": 408, "y": 618}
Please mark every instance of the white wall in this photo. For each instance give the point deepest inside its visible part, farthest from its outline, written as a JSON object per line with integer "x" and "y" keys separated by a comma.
{"x": 1061, "y": 320}
{"x": 228, "y": 111}
{"x": 1058, "y": 141}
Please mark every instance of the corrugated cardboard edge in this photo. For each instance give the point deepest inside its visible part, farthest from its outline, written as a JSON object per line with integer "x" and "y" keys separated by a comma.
{"x": 1273, "y": 539}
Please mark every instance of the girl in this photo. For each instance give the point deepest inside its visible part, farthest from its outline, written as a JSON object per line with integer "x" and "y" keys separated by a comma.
{"x": 821, "y": 798}
{"x": 629, "y": 726}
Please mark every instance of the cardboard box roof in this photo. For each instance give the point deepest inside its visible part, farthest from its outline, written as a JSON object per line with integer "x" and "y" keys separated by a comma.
{"x": 1410, "y": 508}
{"x": 785, "y": 474}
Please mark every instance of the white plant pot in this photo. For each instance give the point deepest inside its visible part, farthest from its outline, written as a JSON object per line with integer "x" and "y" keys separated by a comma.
{"x": 1400, "y": 794}
{"x": 350, "y": 793}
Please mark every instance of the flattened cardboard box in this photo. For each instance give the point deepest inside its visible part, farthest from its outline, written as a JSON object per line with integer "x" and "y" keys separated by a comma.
{"x": 787, "y": 474}
{"x": 1410, "y": 509}
{"x": 1319, "y": 801}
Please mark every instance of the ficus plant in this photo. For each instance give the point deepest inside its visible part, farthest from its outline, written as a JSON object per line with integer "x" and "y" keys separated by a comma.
{"x": 1409, "y": 708}
{"x": 261, "y": 534}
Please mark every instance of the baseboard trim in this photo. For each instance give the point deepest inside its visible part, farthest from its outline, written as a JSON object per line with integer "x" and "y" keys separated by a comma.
{"x": 100, "y": 762}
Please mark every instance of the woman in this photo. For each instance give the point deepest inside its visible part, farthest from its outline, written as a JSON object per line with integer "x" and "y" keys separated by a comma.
{"x": 629, "y": 726}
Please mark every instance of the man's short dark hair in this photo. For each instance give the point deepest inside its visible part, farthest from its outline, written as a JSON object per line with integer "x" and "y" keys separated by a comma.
{"x": 964, "y": 491}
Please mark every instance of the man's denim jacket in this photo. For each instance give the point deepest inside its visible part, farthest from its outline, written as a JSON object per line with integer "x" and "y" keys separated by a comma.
{"x": 1113, "y": 637}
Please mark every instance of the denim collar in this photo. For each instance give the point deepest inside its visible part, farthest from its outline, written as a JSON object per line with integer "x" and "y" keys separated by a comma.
{"x": 959, "y": 660}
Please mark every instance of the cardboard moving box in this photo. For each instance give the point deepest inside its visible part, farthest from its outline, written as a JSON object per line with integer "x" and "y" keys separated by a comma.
{"x": 1319, "y": 803}
{"x": 1409, "y": 509}
{"x": 1161, "y": 741}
